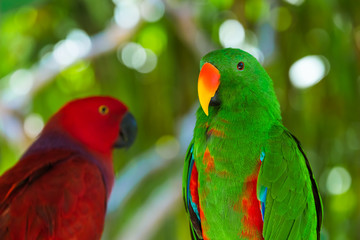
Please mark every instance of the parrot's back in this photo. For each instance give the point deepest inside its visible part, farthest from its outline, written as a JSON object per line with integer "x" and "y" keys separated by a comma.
{"x": 63, "y": 198}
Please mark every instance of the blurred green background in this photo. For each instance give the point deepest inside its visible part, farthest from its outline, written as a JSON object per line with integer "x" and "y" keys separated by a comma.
{"x": 147, "y": 52}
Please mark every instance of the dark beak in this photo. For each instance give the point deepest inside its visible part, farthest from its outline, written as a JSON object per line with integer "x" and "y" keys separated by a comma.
{"x": 215, "y": 100}
{"x": 128, "y": 131}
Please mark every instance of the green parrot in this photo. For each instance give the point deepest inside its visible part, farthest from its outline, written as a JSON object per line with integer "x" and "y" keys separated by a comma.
{"x": 245, "y": 175}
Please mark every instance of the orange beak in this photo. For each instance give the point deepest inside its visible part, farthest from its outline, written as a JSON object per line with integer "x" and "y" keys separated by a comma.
{"x": 208, "y": 83}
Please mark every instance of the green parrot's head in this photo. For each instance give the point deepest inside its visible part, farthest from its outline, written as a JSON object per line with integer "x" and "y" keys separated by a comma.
{"x": 233, "y": 81}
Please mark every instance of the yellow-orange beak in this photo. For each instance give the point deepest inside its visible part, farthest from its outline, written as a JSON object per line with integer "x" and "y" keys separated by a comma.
{"x": 208, "y": 83}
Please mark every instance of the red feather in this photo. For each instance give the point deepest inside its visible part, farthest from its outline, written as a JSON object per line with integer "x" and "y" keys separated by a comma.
{"x": 63, "y": 197}
{"x": 59, "y": 188}
{"x": 252, "y": 215}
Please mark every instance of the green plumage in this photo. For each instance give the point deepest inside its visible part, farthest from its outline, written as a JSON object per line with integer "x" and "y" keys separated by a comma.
{"x": 227, "y": 146}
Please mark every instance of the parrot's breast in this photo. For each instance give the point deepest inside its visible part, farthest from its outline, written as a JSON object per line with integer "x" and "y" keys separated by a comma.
{"x": 227, "y": 156}
{"x": 226, "y": 195}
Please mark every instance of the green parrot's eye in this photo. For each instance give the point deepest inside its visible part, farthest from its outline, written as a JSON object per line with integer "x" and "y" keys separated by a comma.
{"x": 240, "y": 66}
{"x": 103, "y": 110}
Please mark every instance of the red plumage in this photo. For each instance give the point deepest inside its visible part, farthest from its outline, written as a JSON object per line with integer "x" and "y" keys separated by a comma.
{"x": 59, "y": 188}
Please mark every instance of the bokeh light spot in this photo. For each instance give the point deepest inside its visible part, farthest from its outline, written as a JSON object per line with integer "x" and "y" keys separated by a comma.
{"x": 134, "y": 56}
{"x": 76, "y": 45}
{"x": 153, "y": 10}
{"x": 65, "y": 52}
{"x": 21, "y": 82}
{"x": 138, "y": 58}
{"x": 295, "y": 2}
{"x": 33, "y": 125}
{"x": 82, "y": 41}
{"x": 231, "y": 34}
{"x": 128, "y": 52}
{"x": 127, "y": 14}
{"x": 308, "y": 71}
{"x": 150, "y": 63}
{"x": 338, "y": 181}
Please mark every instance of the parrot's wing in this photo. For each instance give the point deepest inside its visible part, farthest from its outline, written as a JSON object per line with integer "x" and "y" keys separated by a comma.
{"x": 190, "y": 194}
{"x": 59, "y": 198}
{"x": 25, "y": 170}
{"x": 288, "y": 193}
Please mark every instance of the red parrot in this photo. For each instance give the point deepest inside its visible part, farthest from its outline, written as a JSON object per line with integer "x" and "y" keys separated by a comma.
{"x": 60, "y": 186}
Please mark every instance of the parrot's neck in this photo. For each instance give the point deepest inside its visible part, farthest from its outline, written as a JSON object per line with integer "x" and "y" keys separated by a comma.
{"x": 58, "y": 140}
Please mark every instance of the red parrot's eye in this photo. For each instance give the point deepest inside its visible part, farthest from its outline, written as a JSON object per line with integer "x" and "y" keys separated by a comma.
{"x": 103, "y": 110}
{"x": 240, "y": 66}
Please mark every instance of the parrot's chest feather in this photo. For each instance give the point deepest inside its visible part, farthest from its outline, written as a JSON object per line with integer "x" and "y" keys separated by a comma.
{"x": 232, "y": 195}
{"x": 228, "y": 163}
{"x": 226, "y": 150}
{"x": 214, "y": 132}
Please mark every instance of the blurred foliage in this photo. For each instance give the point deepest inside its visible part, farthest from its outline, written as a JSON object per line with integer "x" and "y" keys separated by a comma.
{"x": 325, "y": 117}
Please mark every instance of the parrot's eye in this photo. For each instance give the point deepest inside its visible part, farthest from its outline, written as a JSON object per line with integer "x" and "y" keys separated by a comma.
{"x": 240, "y": 66}
{"x": 103, "y": 110}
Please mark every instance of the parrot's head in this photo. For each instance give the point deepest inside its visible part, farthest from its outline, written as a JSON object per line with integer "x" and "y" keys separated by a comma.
{"x": 100, "y": 123}
{"x": 233, "y": 81}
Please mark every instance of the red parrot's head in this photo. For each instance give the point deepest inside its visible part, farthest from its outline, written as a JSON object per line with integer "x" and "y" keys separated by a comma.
{"x": 100, "y": 123}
